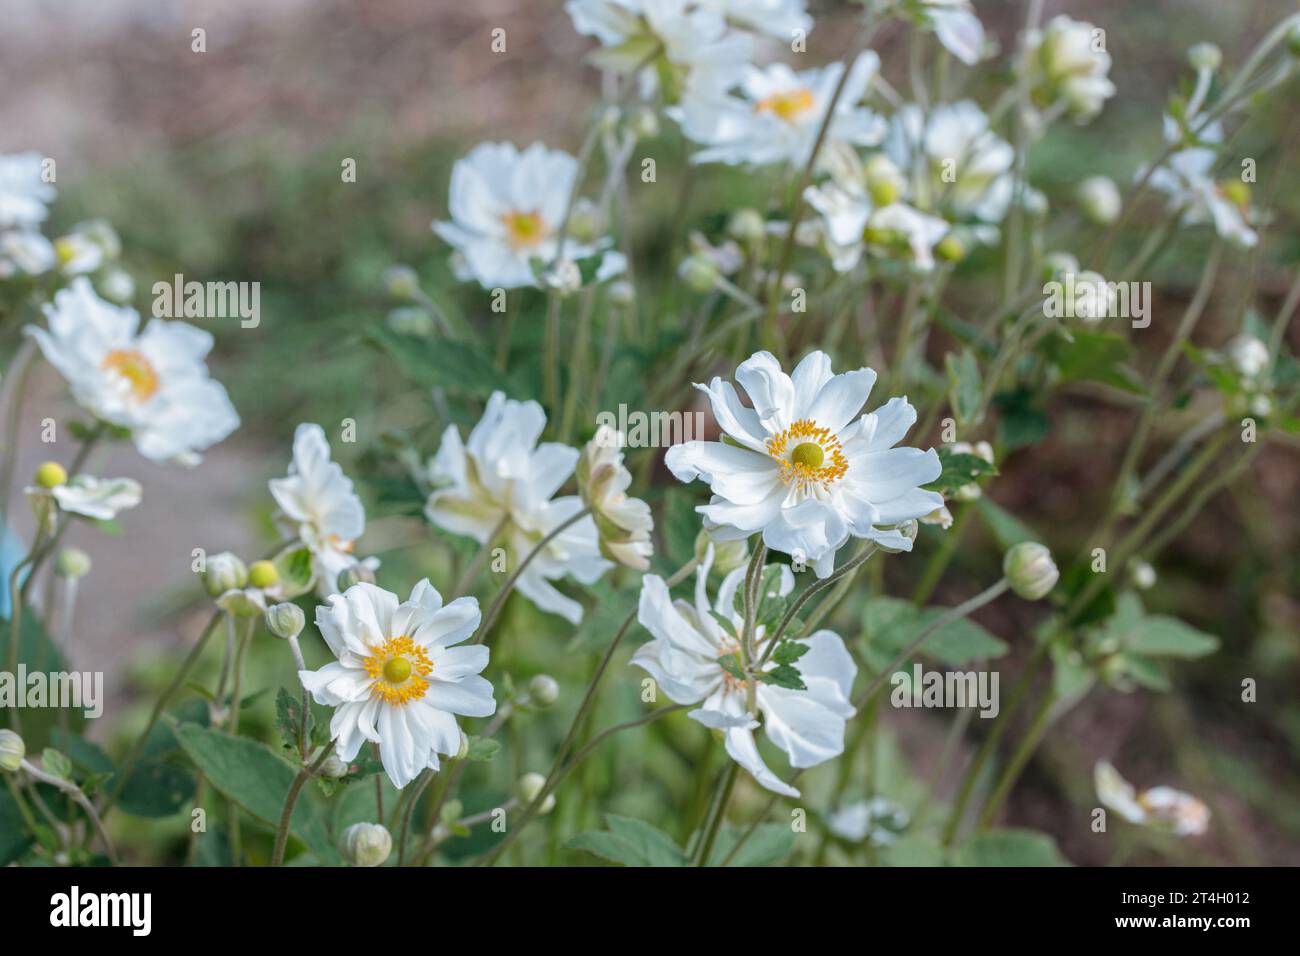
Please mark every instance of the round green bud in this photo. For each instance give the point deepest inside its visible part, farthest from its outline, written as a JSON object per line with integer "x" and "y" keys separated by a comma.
{"x": 529, "y": 788}
{"x": 543, "y": 690}
{"x": 334, "y": 767}
{"x": 72, "y": 563}
{"x": 224, "y": 572}
{"x": 367, "y": 844}
{"x": 747, "y": 226}
{"x": 621, "y": 293}
{"x": 951, "y": 249}
{"x": 401, "y": 282}
{"x": 285, "y": 620}
{"x": 1236, "y": 192}
{"x": 1030, "y": 570}
{"x": 262, "y": 574}
{"x": 1205, "y": 56}
{"x": 700, "y": 273}
{"x": 51, "y": 474}
{"x": 12, "y": 750}
{"x": 884, "y": 192}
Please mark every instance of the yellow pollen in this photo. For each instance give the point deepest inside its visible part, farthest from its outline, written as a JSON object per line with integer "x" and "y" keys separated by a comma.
{"x": 789, "y": 105}
{"x": 524, "y": 229}
{"x": 808, "y": 454}
{"x": 136, "y": 369}
{"x": 398, "y": 668}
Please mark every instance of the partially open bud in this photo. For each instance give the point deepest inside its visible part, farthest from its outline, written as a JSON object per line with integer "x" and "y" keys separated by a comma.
{"x": 623, "y": 523}
{"x": 285, "y": 620}
{"x": 51, "y": 474}
{"x": 224, "y": 572}
{"x": 530, "y": 787}
{"x": 1100, "y": 200}
{"x": 543, "y": 690}
{"x": 72, "y": 563}
{"x": 885, "y": 181}
{"x": 1030, "y": 570}
{"x": 12, "y": 750}
{"x": 334, "y": 767}
{"x": 262, "y": 574}
{"x": 367, "y": 844}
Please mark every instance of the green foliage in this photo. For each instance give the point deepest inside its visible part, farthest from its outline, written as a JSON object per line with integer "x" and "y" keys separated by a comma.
{"x": 891, "y": 624}
{"x": 630, "y": 843}
{"x": 1009, "y": 847}
{"x": 959, "y": 469}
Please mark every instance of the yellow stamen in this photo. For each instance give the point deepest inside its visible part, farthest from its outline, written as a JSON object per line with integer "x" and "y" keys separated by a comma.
{"x": 136, "y": 369}
{"x": 398, "y": 668}
{"x": 524, "y": 229}
{"x": 789, "y": 105}
{"x": 808, "y": 454}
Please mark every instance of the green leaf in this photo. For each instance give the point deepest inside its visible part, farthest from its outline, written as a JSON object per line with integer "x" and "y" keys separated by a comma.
{"x": 681, "y": 525}
{"x": 731, "y": 664}
{"x": 631, "y": 843}
{"x": 56, "y": 763}
{"x": 156, "y": 789}
{"x": 913, "y": 851}
{"x": 771, "y": 843}
{"x": 964, "y": 385}
{"x": 891, "y": 624}
{"x": 1161, "y": 636}
{"x": 787, "y": 652}
{"x": 440, "y": 362}
{"x": 1010, "y": 847}
{"x": 482, "y": 749}
{"x": 771, "y": 604}
{"x": 1005, "y": 527}
{"x": 288, "y": 719}
{"x": 1020, "y": 422}
{"x": 14, "y": 838}
{"x": 256, "y": 778}
{"x": 784, "y": 675}
{"x": 1096, "y": 357}
{"x": 959, "y": 469}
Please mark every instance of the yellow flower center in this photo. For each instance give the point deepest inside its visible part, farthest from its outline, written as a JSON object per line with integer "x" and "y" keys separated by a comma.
{"x": 398, "y": 668}
{"x": 136, "y": 369}
{"x": 808, "y": 454}
{"x": 524, "y": 229}
{"x": 789, "y": 105}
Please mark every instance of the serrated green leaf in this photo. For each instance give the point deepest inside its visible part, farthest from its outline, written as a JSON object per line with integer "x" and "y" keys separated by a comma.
{"x": 959, "y": 469}
{"x": 482, "y": 749}
{"x": 965, "y": 386}
{"x": 1010, "y": 847}
{"x": 770, "y": 843}
{"x": 631, "y": 843}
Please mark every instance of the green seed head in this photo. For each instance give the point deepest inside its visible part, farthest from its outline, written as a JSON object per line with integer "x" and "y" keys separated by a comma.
{"x": 809, "y": 454}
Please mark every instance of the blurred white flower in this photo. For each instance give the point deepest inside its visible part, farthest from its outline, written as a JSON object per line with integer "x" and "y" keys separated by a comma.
{"x": 685, "y": 659}
{"x": 25, "y": 252}
{"x": 775, "y": 114}
{"x": 964, "y": 166}
{"x": 153, "y": 383}
{"x": 319, "y": 506}
{"x": 399, "y": 681}
{"x": 775, "y": 18}
{"x": 1094, "y": 298}
{"x": 1187, "y": 179}
{"x": 1067, "y": 60}
{"x": 1162, "y": 808}
{"x": 877, "y": 820}
{"x": 854, "y": 224}
{"x": 507, "y": 208}
{"x": 624, "y": 523}
{"x": 1100, "y": 200}
{"x": 802, "y": 467}
{"x": 78, "y": 254}
{"x": 500, "y": 483}
{"x": 24, "y": 194}
{"x": 1250, "y": 356}
{"x": 955, "y": 25}
{"x": 98, "y": 498}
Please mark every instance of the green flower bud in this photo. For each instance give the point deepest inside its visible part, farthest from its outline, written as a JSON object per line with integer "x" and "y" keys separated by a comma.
{"x": 747, "y": 226}
{"x": 72, "y": 563}
{"x": 225, "y": 572}
{"x": 334, "y": 767}
{"x": 543, "y": 690}
{"x": 367, "y": 844}
{"x": 700, "y": 273}
{"x": 411, "y": 320}
{"x": 1030, "y": 570}
{"x": 451, "y": 811}
{"x": 262, "y": 574}
{"x": 285, "y": 620}
{"x": 529, "y": 789}
{"x": 951, "y": 249}
{"x": 1205, "y": 56}
{"x": 401, "y": 282}
{"x": 12, "y": 750}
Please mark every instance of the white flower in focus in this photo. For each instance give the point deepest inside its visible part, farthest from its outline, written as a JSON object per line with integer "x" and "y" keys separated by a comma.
{"x": 775, "y": 114}
{"x": 624, "y": 523}
{"x": 318, "y": 504}
{"x": 501, "y": 482}
{"x": 1187, "y": 179}
{"x": 690, "y": 37}
{"x": 153, "y": 383}
{"x": 955, "y": 25}
{"x": 399, "y": 680}
{"x": 1067, "y": 60}
{"x": 802, "y": 467}
{"x": 1250, "y": 356}
{"x": 964, "y": 166}
{"x": 684, "y": 657}
{"x": 1162, "y": 808}
{"x": 507, "y": 208}
{"x": 24, "y": 194}
{"x": 877, "y": 820}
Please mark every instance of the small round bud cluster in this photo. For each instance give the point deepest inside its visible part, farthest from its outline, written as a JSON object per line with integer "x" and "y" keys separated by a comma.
{"x": 1030, "y": 570}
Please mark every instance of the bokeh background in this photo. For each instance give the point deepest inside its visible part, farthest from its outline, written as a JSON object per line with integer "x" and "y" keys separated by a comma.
{"x": 225, "y": 165}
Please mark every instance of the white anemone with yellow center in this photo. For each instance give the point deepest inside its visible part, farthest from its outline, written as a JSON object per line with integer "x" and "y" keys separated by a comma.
{"x": 775, "y": 114}
{"x": 318, "y": 503}
{"x": 800, "y": 465}
{"x": 1187, "y": 178}
{"x": 683, "y": 658}
{"x": 153, "y": 382}
{"x": 500, "y": 486}
{"x": 399, "y": 680}
{"x": 1162, "y": 808}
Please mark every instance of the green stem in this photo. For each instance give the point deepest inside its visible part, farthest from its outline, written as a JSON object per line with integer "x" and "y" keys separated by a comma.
{"x": 1011, "y": 772}
{"x": 710, "y": 835}
{"x": 291, "y": 798}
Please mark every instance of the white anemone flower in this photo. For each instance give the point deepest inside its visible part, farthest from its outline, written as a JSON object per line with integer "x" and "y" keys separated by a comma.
{"x": 853, "y": 224}
{"x": 782, "y": 19}
{"x": 507, "y": 208}
{"x": 691, "y": 36}
{"x": 499, "y": 485}
{"x": 877, "y": 820}
{"x": 776, "y": 113}
{"x": 399, "y": 680}
{"x": 624, "y": 523}
{"x": 1187, "y": 178}
{"x": 802, "y": 467}
{"x": 955, "y": 25}
{"x": 318, "y": 503}
{"x": 100, "y": 499}
{"x": 1162, "y": 808}
{"x": 25, "y": 252}
{"x": 153, "y": 382}
{"x": 954, "y": 161}
{"x": 684, "y": 659}
{"x": 24, "y": 193}
{"x": 1067, "y": 61}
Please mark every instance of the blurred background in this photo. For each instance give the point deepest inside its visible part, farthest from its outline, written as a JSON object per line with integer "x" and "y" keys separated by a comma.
{"x": 225, "y": 165}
